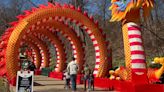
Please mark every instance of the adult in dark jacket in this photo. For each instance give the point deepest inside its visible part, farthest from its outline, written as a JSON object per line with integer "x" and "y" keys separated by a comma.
{"x": 32, "y": 66}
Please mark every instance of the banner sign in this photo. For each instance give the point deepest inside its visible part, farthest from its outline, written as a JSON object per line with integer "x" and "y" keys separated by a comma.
{"x": 24, "y": 81}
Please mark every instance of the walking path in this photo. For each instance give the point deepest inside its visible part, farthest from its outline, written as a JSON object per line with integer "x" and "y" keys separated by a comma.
{"x": 46, "y": 84}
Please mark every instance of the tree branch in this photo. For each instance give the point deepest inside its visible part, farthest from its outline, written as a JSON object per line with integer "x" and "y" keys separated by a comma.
{"x": 162, "y": 39}
{"x": 32, "y": 3}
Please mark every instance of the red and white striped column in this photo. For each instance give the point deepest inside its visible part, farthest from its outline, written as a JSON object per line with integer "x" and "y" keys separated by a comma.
{"x": 58, "y": 60}
{"x": 34, "y": 56}
{"x": 97, "y": 51}
{"x": 138, "y": 60}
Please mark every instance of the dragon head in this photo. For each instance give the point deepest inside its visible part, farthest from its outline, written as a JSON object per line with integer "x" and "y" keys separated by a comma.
{"x": 159, "y": 60}
{"x": 120, "y": 8}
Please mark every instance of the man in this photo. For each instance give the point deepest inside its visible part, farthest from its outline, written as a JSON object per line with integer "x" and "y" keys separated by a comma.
{"x": 73, "y": 70}
{"x": 31, "y": 66}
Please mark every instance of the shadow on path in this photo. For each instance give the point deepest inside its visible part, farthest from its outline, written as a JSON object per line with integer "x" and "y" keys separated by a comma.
{"x": 37, "y": 84}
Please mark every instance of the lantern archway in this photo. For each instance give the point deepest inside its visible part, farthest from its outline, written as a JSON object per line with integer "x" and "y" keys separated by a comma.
{"x": 38, "y": 16}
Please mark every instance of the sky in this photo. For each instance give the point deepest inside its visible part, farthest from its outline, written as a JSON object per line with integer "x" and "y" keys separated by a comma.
{"x": 37, "y": 2}
{"x": 91, "y": 7}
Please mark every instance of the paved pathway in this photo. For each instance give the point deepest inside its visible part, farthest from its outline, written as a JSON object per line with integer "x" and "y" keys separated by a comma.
{"x": 46, "y": 84}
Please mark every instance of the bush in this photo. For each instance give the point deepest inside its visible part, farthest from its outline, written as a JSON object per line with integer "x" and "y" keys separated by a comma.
{"x": 155, "y": 66}
{"x": 4, "y": 85}
{"x": 46, "y": 71}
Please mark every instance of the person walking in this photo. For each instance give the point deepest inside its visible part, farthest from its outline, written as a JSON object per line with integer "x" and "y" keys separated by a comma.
{"x": 91, "y": 82}
{"x": 87, "y": 72}
{"x": 67, "y": 79}
{"x": 73, "y": 70}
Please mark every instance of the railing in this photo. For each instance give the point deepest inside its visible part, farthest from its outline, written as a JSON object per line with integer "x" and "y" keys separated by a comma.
{"x": 121, "y": 86}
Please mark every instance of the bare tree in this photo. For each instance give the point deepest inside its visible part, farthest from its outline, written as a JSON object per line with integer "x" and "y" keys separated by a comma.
{"x": 153, "y": 31}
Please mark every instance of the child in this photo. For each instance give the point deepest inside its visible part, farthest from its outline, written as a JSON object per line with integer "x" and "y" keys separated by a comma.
{"x": 67, "y": 80}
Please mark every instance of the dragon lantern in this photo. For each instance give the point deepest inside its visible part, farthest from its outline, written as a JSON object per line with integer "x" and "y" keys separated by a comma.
{"x": 129, "y": 12}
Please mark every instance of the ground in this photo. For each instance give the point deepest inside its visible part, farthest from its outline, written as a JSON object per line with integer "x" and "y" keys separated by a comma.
{"x": 46, "y": 84}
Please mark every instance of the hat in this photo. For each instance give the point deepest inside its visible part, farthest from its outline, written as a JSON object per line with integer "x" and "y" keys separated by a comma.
{"x": 23, "y": 57}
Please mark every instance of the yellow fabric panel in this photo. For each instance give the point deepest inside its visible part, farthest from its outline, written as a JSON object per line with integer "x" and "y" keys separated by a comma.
{"x": 127, "y": 50}
{"x": 12, "y": 50}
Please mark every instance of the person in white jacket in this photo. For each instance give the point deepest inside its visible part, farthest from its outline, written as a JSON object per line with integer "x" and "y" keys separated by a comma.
{"x": 72, "y": 69}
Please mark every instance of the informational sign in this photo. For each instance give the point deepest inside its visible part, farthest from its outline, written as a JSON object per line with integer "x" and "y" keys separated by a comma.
{"x": 24, "y": 81}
